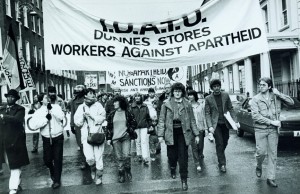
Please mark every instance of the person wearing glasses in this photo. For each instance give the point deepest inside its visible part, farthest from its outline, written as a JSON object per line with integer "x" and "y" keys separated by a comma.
{"x": 265, "y": 110}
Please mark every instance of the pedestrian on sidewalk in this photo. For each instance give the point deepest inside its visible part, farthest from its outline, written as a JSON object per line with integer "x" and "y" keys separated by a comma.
{"x": 198, "y": 105}
{"x": 177, "y": 126}
{"x": 49, "y": 119}
{"x": 216, "y": 105}
{"x": 142, "y": 117}
{"x": 121, "y": 126}
{"x": 89, "y": 116}
{"x": 35, "y": 136}
{"x": 13, "y": 150}
{"x": 265, "y": 110}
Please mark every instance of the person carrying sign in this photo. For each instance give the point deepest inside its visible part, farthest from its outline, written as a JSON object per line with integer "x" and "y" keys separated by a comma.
{"x": 48, "y": 118}
{"x": 13, "y": 149}
{"x": 265, "y": 110}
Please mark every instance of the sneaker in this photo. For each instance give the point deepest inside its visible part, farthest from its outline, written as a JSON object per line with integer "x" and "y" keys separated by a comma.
{"x": 223, "y": 168}
{"x": 99, "y": 181}
{"x": 13, "y": 191}
{"x": 55, "y": 185}
{"x": 199, "y": 168}
{"x": 211, "y": 137}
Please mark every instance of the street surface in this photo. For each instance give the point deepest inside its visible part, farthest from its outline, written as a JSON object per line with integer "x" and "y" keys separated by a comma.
{"x": 240, "y": 176}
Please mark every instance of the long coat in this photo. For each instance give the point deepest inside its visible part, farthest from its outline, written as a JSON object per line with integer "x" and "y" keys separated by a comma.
{"x": 165, "y": 123}
{"x": 13, "y": 137}
{"x": 212, "y": 112}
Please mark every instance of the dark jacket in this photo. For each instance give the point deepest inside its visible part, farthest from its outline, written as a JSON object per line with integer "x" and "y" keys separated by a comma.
{"x": 212, "y": 113}
{"x": 109, "y": 107}
{"x": 141, "y": 115}
{"x": 165, "y": 123}
{"x": 160, "y": 102}
{"x": 13, "y": 137}
{"x": 131, "y": 123}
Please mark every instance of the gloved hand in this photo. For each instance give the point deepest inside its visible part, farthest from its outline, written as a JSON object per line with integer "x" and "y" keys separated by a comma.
{"x": 49, "y": 106}
{"x": 48, "y": 116}
{"x": 31, "y": 111}
{"x": 73, "y": 130}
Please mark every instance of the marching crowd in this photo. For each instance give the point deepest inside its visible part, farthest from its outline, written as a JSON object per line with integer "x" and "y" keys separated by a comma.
{"x": 179, "y": 117}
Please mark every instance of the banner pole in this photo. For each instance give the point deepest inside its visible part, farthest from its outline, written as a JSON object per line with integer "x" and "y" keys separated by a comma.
{"x": 273, "y": 80}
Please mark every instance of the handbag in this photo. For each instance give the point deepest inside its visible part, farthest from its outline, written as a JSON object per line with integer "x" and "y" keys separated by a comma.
{"x": 95, "y": 139}
{"x": 132, "y": 134}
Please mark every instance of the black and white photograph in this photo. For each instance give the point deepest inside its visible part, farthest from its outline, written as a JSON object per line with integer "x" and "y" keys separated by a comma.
{"x": 150, "y": 96}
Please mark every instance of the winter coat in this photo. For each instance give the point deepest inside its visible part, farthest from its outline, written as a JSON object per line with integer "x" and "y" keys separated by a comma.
{"x": 97, "y": 112}
{"x": 186, "y": 115}
{"x": 212, "y": 113}
{"x": 263, "y": 112}
{"x": 131, "y": 123}
{"x": 199, "y": 113}
{"x": 141, "y": 115}
{"x": 13, "y": 137}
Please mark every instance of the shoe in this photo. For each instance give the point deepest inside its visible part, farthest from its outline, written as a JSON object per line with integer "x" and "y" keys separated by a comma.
{"x": 173, "y": 172}
{"x": 128, "y": 174}
{"x": 199, "y": 168}
{"x": 158, "y": 151}
{"x": 55, "y": 185}
{"x": 34, "y": 151}
{"x": 99, "y": 181}
{"x": 184, "y": 185}
{"x": 223, "y": 168}
{"x": 13, "y": 191}
{"x": 93, "y": 172}
{"x": 258, "y": 172}
{"x": 201, "y": 156}
{"x": 271, "y": 183}
{"x": 139, "y": 158}
{"x": 121, "y": 176}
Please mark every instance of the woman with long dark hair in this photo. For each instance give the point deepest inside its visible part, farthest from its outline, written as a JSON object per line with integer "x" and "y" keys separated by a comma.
{"x": 120, "y": 127}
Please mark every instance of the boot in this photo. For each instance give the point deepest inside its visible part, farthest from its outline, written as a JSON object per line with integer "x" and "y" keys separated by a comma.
{"x": 121, "y": 176}
{"x": 184, "y": 185}
{"x": 99, "y": 174}
{"x": 93, "y": 171}
{"x": 128, "y": 174}
{"x": 173, "y": 172}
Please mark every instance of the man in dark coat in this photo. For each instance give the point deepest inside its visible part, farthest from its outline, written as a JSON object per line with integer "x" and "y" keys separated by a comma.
{"x": 216, "y": 105}
{"x": 13, "y": 149}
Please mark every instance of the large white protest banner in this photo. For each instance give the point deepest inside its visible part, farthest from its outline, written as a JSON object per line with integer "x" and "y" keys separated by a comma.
{"x": 140, "y": 81}
{"x": 220, "y": 30}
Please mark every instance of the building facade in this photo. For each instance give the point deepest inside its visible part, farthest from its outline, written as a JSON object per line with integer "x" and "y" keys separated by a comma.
{"x": 26, "y": 18}
{"x": 240, "y": 76}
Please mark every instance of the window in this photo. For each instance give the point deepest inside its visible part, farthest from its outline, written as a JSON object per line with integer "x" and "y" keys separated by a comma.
{"x": 17, "y": 10}
{"x": 27, "y": 52}
{"x": 8, "y": 7}
{"x": 38, "y": 4}
{"x": 266, "y": 17}
{"x": 35, "y": 55}
{"x": 33, "y": 23}
{"x": 38, "y": 30}
{"x": 284, "y": 14}
{"x": 41, "y": 57}
{"x": 25, "y": 16}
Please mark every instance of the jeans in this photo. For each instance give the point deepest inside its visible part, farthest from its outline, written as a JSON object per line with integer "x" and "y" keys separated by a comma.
{"x": 197, "y": 149}
{"x": 53, "y": 156}
{"x": 178, "y": 153}
{"x": 266, "y": 144}
{"x": 142, "y": 143}
{"x": 221, "y": 136}
{"x": 122, "y": 151}
{"x": 35, "y": 140}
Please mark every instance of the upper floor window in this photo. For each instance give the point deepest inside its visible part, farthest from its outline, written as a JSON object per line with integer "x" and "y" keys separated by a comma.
{"x": 284, "y": 13}
{"x": 25, "y": 16}
{"x": 38, "y": 4}
{"x": 8, "y": 7}
{"x": 41, "y": 57}
{"x": 266, "y": 17}
{"x": 38, "y": 30}
{"x": 35, "y": 55}
{"x": 17, "y": 10}
{"x": 33, "y": 23}
{"x": 27, "y": 52}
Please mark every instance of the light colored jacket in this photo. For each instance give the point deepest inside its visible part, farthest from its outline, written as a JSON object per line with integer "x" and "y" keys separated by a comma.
{"x": 186, "y": 115}
{"x": 39, "y": 120}
{"x": 263, "y": 111}
{"x": 199, "y": 113}
{"x": 98, "y": 115}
